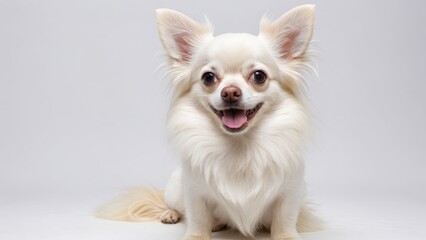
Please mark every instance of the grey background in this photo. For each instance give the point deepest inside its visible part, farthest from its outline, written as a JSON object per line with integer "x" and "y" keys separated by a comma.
{"x": 83, "y": 100}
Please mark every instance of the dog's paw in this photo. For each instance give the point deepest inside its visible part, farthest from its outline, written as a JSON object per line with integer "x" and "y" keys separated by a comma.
{"x": 170, "y": 216}
{"x": 196, "y": 237}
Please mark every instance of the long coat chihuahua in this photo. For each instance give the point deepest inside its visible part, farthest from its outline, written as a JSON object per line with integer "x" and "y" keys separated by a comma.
{"x": 239, "y": 122}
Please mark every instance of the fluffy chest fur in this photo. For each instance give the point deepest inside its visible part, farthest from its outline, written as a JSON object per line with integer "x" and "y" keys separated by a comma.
{"x": 240, "y": 184}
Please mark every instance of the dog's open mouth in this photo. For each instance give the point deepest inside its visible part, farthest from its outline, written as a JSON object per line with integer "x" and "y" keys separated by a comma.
{"x": 234, "y": 119}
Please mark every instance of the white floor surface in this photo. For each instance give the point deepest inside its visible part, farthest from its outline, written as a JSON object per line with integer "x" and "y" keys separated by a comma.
{"x": 68, "y": 216}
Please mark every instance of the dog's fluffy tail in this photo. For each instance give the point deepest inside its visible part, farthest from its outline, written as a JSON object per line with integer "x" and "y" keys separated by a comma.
{"x": 308, "y": 221}
{"x": 136, "y": 205}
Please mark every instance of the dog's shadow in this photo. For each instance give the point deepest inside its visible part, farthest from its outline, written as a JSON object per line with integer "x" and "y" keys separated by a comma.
{"x": 233, "y": 235}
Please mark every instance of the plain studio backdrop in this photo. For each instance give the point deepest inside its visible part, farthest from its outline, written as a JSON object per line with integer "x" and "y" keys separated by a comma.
{"x": 83, "y": 104}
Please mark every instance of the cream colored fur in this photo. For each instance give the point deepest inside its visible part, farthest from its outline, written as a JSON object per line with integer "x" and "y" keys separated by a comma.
{"x": 251, "y": 177}
{"x": 136, "y": 205}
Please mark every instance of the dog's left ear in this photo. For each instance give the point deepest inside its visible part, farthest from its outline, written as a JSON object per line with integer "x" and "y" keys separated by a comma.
{"x": 180, "y": 34}
{"x": 290, "y": 34}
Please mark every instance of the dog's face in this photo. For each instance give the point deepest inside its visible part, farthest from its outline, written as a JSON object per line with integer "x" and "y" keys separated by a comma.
{"x": 236, "y": 77}
{"x": 233, "y": 80}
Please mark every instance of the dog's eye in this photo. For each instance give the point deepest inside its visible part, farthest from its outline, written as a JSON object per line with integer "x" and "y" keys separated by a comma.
{"x": 208, "y": 78}
{"x": 258, "y": 77}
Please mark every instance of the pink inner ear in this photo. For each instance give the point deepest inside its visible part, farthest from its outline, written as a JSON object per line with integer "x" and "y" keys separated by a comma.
{"x": 184, "y": 46}
{"x": 288, "y": 42}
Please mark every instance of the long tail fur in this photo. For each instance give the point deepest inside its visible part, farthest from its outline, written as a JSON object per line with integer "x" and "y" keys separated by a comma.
{"x": 308, "y": 221}
{"x": 136, "y": 205}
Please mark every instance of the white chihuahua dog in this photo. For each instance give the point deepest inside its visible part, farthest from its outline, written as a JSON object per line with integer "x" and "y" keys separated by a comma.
{"x": 239, "y": 122}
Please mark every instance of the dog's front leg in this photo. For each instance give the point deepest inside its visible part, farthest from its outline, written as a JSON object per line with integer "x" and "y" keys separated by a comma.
{"x": 286, "y": 212}
{"x": 199, "y": 218}
{"x": 198, "y": 215}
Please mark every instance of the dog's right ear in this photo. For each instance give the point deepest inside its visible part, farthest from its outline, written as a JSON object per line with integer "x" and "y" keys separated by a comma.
{"x": 180, "y": 34}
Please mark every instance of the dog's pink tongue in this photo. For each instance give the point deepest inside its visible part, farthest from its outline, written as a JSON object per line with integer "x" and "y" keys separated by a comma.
{"x": 234, "y": 118}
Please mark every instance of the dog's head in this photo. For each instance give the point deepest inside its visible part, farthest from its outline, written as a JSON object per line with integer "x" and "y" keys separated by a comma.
{"x": 237, "y": 77}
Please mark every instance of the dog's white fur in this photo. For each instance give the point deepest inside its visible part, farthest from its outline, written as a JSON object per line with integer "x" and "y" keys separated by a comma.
{"x": 248, "y": 179}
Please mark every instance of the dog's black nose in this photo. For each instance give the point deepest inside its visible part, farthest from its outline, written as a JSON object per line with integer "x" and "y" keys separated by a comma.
{"x": 231, "y": 94}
